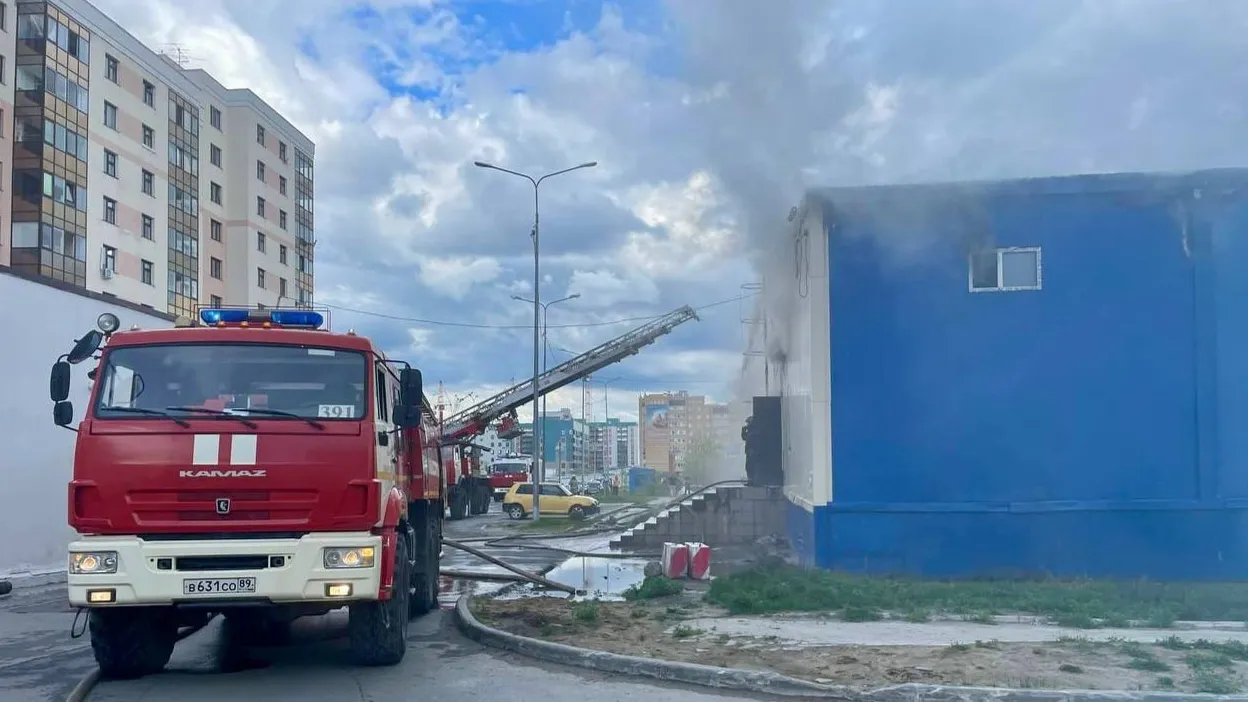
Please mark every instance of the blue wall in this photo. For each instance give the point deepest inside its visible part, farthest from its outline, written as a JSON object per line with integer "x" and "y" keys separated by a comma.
{"x": 1098, "y": 426}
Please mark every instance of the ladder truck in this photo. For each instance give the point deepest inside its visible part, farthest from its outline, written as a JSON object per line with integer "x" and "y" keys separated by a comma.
{"x": 465, "y": 488}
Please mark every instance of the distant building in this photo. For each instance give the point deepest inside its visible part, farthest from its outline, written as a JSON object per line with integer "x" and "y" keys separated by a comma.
{"x": 612, "y": 444}
{"x": 565, "y": 442}
{"x": 671, "y": 424}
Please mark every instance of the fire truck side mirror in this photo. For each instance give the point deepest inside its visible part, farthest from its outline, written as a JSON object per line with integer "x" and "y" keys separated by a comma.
{"x": 85, "y": 347}
{"x": 412, "y": 389}
{"x": 63, "y": 413}
{"x": 58, "y": 384}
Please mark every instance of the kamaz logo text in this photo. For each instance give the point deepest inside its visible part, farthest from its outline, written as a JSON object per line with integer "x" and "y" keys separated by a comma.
{"x": 222, "y": 473}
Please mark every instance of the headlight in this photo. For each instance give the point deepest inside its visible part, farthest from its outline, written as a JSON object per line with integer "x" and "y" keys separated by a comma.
{"x": 93, "y": 563}
{"x": 361, "y": 557}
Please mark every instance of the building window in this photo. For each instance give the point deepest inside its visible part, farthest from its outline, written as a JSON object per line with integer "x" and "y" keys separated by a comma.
{"x": 214, "y": 155}
{"x": 214, "y": 230}
{"x": 110, "y": 163}
{"x": 260, "y": 278}
{"x": 260, "y": 242}
{"x": 281, "y": 219}
{"x": 281, "y": 184}
{"x": 4, "y": 16}
{"x": 281, "y": 287}
{"x": 110, "y": 210}
{"x": 1008, "y": 269}
{"x": 149, "y": 94}
{"x": 110, "y": 259}
{"x": 260, "y": 134}
{"x": 110, "y": 115}
{"x": 149, "y": 183}
{"x": 260, "y": 170}
{"x": 214, "y": 268}
{"x": 281, "y": 151}
{"x": 214, "y": 117}
{"x": 3, "y": 69}
{"x": 111, "y": 64}
{"x": 259, "y": 205}
{"x": 214, "y": 193}
{"x": 215, "y": 300}
{"x": 149, "y": 227}
{"x": 146, "y": 274}
{"x": 149, "y": 137}
{"x": 281, "y": 254}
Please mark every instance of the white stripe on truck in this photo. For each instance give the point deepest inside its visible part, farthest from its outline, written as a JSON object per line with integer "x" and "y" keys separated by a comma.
{"x": 207, "y": 447}
{"x": 243, "y": 450}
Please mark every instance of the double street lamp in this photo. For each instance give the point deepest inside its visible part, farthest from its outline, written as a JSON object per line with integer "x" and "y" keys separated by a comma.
{"x": 536, "y": 182}
{"x": 539, "y": 446}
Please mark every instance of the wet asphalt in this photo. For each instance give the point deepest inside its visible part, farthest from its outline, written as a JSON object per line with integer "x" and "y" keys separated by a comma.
{"x": 40, "y": 662}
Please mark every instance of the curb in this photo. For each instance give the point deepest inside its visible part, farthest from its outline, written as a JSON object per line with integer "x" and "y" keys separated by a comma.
{"x": 83, "y": 689}
{"x": 783, "y": 685}
{"x": 692, "y": 673}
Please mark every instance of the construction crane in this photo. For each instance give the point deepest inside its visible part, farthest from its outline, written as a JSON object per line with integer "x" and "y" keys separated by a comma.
{"x": 475, "y": 419}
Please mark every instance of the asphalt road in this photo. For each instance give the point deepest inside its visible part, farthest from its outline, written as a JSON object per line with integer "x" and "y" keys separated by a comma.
{"x": 39, "y": 662}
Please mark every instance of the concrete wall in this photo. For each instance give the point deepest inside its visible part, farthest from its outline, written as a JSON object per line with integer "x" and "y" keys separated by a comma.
{"x": 40, "y": 323}
{"x": 1094, "y": 426}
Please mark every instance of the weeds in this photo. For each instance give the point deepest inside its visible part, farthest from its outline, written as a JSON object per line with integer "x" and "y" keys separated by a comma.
{"x": 1073, "y": 603}
{"x": 654, "y": 588}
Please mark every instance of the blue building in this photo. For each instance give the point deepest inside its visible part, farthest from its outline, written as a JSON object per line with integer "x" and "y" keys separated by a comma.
{"x": 564, "y": 442}
{"x": 1036, "y": 376}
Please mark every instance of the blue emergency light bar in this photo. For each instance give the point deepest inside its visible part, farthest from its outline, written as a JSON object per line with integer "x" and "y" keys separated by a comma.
{"x": 284, "y": 318}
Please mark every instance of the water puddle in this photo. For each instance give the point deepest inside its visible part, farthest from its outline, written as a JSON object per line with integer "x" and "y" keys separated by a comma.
{"x": 598, "y": 578}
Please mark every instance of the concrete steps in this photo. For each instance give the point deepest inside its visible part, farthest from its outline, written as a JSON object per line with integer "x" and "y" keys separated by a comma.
{"x": 727, "y": 515}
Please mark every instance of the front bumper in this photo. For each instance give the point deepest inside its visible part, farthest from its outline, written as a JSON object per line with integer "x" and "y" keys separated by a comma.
{"x": 149, "y": 572}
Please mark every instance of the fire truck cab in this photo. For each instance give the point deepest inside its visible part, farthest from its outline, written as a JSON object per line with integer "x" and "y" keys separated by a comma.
{"x": 252, "y": 464}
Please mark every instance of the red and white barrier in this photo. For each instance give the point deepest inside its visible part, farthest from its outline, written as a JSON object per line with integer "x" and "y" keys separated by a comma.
{"x": 699, "y": 561}
{"x": 675, "y": 560}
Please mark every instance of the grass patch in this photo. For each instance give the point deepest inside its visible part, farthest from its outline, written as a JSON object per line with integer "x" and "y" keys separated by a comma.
{"x": 653, "y": 589}
{"x": 1073, "y": 603}
{"x": 684, "y": 632}
{"x": 586, "y": 612}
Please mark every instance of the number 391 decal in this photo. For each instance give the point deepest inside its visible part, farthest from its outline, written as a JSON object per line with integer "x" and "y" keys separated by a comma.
{"x": 335, "y": 411}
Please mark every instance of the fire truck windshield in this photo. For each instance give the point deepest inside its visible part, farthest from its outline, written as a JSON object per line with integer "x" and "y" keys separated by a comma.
{"x": 502, "y": 467}
{"x": 137, "y": 382}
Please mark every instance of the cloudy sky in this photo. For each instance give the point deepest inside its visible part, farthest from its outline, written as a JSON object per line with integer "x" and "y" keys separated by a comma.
{"x": 707, "y": 117}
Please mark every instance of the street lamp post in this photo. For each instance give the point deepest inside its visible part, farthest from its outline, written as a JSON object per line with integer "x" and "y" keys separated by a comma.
{"x": 536, "y": 182}
{"x": 545, "y": 349}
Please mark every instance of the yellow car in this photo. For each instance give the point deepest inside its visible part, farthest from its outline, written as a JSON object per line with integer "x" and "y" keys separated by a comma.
{"x": 555, "y": 500}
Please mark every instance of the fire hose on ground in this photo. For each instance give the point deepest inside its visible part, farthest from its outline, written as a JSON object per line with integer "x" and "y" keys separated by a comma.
{"x": 510, "y": 540}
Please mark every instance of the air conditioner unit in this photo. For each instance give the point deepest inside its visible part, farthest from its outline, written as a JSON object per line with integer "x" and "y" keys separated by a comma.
{"x": 106, "y": 271}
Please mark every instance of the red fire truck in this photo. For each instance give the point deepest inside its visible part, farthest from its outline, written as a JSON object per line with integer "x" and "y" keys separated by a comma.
{"x": 467, "y": 488}
{"x": 507, "y": 471}
{"x": 249, "y": 463}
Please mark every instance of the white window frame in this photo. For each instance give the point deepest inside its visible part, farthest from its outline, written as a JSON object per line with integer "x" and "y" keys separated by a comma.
{"x": 1001, "y": 287}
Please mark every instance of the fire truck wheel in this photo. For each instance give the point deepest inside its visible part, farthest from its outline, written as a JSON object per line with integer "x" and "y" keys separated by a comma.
{"x": 459, "y": 503}
{"x": 377, "y": 631}
{"x": 425, "y": 569}
{"x": 132, "y": 642}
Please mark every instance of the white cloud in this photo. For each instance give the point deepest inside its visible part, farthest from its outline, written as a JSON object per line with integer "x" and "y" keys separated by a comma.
{"x": 699, "y": 159}
{"x": 455, "y": 277}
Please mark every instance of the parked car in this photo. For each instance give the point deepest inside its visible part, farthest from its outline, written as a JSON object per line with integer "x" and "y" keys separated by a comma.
{"x": 556, "y": 500}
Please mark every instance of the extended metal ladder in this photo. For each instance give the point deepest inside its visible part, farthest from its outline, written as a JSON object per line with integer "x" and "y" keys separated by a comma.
{"x": 475, "y": 419}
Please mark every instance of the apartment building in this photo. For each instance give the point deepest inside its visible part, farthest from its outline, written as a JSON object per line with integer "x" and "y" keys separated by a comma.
{"x": 135, "y": 178}
{"x": 671, "y": 424}
{"x": 612, "y": 445}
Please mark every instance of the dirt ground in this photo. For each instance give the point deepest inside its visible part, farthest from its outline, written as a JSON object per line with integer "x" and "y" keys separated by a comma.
{"x": 654, "y": 629}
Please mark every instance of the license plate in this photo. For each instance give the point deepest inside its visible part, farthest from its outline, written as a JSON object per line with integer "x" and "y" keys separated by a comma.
{"x": 219, "y": 586}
